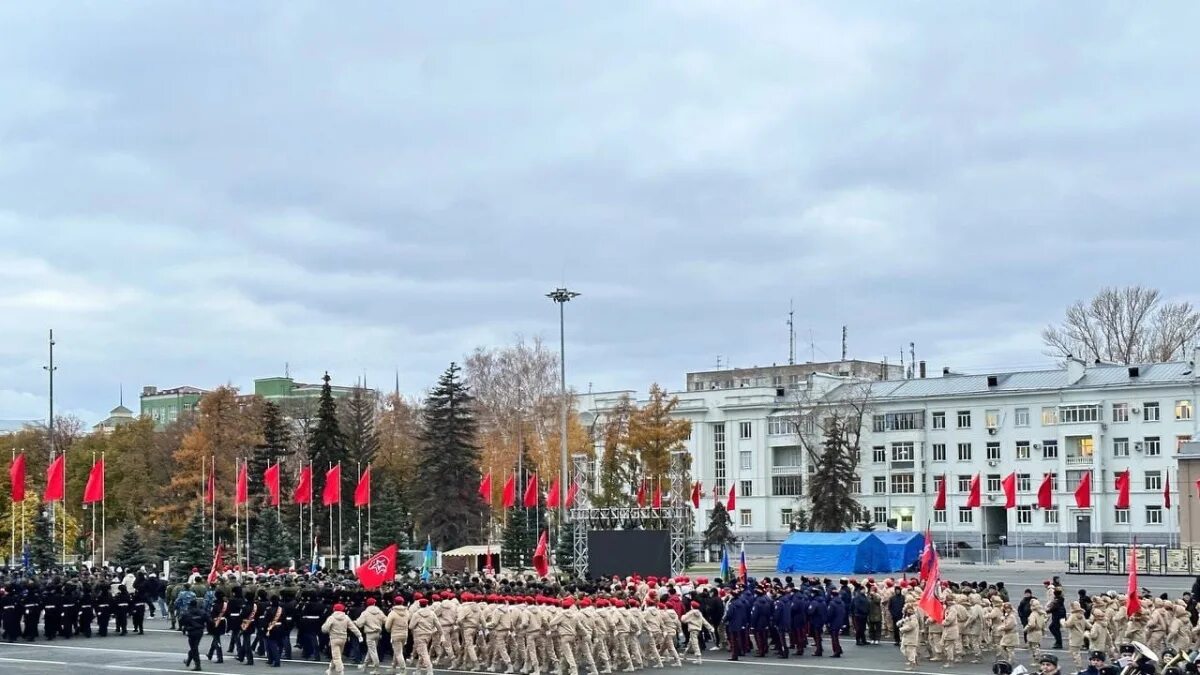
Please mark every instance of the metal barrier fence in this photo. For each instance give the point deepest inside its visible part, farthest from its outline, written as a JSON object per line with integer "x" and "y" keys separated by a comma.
{"x": 1151, "y": 560}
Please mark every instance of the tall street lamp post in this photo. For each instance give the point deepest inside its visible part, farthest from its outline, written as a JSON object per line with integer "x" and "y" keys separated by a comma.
{"x": 562, "y": 296}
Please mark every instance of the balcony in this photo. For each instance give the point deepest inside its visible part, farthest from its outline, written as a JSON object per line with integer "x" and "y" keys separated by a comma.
{"x": 1079, "y": 460}
{"x": 787, "y": 470}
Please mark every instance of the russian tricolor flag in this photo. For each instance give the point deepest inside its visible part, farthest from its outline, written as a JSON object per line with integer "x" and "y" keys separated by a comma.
{"x": 742, "y": 563}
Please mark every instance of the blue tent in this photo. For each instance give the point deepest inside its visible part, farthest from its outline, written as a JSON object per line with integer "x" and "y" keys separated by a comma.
{"x": 832, "y": 553}
{"x": 903, "y": 548}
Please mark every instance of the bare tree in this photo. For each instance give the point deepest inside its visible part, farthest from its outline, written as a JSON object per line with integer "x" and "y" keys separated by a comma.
{"x": 1125, "y": 325}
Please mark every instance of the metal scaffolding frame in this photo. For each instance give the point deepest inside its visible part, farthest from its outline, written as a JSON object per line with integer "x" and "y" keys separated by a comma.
{"x": 675, "y": 519}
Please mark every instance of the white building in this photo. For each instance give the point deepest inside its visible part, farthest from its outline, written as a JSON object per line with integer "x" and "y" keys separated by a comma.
{"x": 1075, "y": 419}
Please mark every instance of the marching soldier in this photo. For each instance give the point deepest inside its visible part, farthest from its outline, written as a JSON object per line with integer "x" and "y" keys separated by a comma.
{"x": 424, "y": 626}
{"x": 338, "y": 626}
{"x": 695, "y": 622}
{"x": 370, "y": 622}
{"x": 396, "y": 625}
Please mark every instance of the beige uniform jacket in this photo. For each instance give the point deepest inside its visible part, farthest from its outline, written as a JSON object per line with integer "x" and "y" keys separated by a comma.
{"x": 338, "y": 626}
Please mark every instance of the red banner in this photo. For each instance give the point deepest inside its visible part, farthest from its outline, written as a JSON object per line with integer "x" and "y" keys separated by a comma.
{"x": 332, "y": 492}
{"x": 362, "y": 493}
{"x": 94, "y": 490}
{"x": 54, "y": 479}
{"x": 303, "y": 494}
{"x": 271, "y": 480}
{"x": 16, "y": 478}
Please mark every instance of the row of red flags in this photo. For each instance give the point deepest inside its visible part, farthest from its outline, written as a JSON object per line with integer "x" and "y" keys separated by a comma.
{"x": 1045, "y": 493}
{"x": 55, "y": 480}
{"x": 529, "y": 499}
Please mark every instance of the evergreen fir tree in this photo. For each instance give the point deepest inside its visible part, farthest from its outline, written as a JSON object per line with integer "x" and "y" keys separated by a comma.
{"x": 326, "y": 444}
{"x": 269, "y": 545}
{"x": 391, "y": 519}
{"x": 523, "y": 526}
{"x": 446, "y": 505}
{"x": 276, "y": 446}
{"x": 719, "y": 532}
{"x": 865, "y": 522}
{"x": 41, "y": 546}
{"x": 361, "y": 440}
{"x": 194, "y": 548}
{"x": 564, "y": 554}
{"x": 131, "y": 552}
{"x": 835, "y": 510}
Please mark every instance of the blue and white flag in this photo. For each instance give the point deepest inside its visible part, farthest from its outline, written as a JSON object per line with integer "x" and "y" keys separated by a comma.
{"x": 427, "y": 564}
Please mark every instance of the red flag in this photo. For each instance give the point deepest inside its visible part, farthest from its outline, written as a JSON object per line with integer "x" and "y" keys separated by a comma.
{"x": 1123, "y": 489}
{"x": 1009, "y": 484}
{"x": 641, "y": 495}
{"x": 1045, "y": 495}
{"x": 731, "y": 504}
{"x": 271, "y": 480}
{"x": 1198, "y": 487}
{"x": 54, "y": 479}
{"x": 1167, "y": 491}
{"x": 927, "y": 554}
{"x": 485, "y": 488}
{"x": 94, "y": 490}
{"x": 939, "y": 502}
{"x": 379, "y": 569}
{"x": 930, "y": 603}
{"x": 210, "y": 489}
{"x": 1083, "y": 493}
{"x": 552, "y": 498}
{"x": 487, "y": 564}
{"x": 303, "y": 494}
{"x": 509, "y": 498}
{"x": 243, "y": 485}
{"x": 974, "y": 495}
{"x": 656, "y": 501}
{"x": 1132, "y": 602}
{"x": 540, "y": 562}
{"x": 16, "y": 478}
{"x": 362, "y": 493}
{"x": 571, "y": 493}
{"x": 212, "y": 572}
{"x": 696, "y": 495}
{"x": 332, "y": 492}
{"x": 531, "y": 492}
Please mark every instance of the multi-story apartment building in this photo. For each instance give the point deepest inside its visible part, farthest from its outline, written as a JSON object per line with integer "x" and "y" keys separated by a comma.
{"x": 167, "y": 405}
{"x": 1079, "y": 418}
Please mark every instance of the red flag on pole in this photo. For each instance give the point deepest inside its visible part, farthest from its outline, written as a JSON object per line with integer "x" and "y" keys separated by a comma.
{"x": 1045, "y": 494}
{"x": 731, "y": 503}
{"x": 1009, "y": 484}
{"x": 212, "y": 572}
{"x": 94, "y": 490}
{"x": 571, "y": 493}
{"x": 541, "y": 562}
{"x": 656, "y": 501}
{"x": 1198, "y": 487}
{"x": 1122, "y": 484}
{"x": 927, "y": 554}
{"x": 303, "y": 494}
{"x": 379, "y": 569}
{"x": 696, "y": 495}
{"x": 552, "y": 497}
{"x": 509, "y": 497}
{"x": 1083, "y": 493}
{"x": 974, "y": 494}
{"x": 16, "y": 478}
{"x": 1167, "y": 490}
{"x": 362, "y": 493}
{"x": 930, "y": 603}
{"x": 641, "y": 494}
{"x": 210, "y": 489}
{"x": 531, "y": 492}
{"x": 1132, "y": 602}
{"x": 54, "y": 479}
{"x": 332, "y": 492}
{"x": 243, "y": 485}
{"x": 485, "y": 488}
{"x": 939, "y": 502}
{"x": 271, "y": 480}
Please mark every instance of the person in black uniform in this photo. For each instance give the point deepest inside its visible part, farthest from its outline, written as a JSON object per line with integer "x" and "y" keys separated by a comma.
{"x": 250, "y": 612}
{"x": 218, "y": 620}
{"x": 52, "y": 611}
{"x": 234, "y": 625}
{"x": 103, "y": 604}
{"x": 274, "y": 623}
{"x": 193, "y": 622}
{"x": 259, "y": 645}
{"x": 137, "y": 611}
{"x": 70, "y": 611}
{"x": 31, "y": 608}
{"x": 87, "y": 612}
{"x": 121, "y": 605}
{"x": 308, "y": 625}
{"x": 287, "y": 600}
{"x": 10, "y": 614}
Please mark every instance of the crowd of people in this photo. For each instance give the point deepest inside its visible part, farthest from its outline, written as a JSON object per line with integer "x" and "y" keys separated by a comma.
{"x": 521, "y": 624}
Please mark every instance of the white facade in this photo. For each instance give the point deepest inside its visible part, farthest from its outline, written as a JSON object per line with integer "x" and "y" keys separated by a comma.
{"x": 1075, "y": 419}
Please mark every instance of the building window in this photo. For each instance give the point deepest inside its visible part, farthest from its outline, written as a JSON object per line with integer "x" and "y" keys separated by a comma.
{"x": 939, "y": 452}
{"x": 1154, "y": 515}
{"x": 1021, "y": 417}
{"x": 879, "y": 514}
{"x": 902, "y": 484}
{"x": 1049, "y": 449}
{"x": 746, "y": 517}
{"x": 746, "y": 488}
{"x": 1049, "y": 416}
{"x": 939, "y": 420}
{"x": 785, "y": 517}
{"x": 1150, "y": 411}
{"x": 1153, "y": 480}
{"x": 1022, "y": 449}
{"x": 879, "y": 483}
{"x": 1152, "y": 446}
{"x": 964, "y": 452}
{"x": 856, "y": 486}
{"x": 744, "y": 430}
{"x": 745, "y": 460}
{"x": 1023, "y": 482}
{"x": 993, "y": 482}
{"x": 964, "y": 483}
{"x": 786, "y": 486}
{"x": 1120, "y": 412}
{"x": 781, "y": 426}
{"x": 991, "y": 418}
{"x": 719, "y": 456}
{"x": 993, "y": 450}
{"x": 1074, "y": 478}
{"x": 1181, "y": 440}
{"x": 1183, "y": 410}
{"x": 1024, "y": 515}
{"x": 902, "y": 452}
{"x": 879, "y": 454}
{"x": 1051, "y": 516}
{"x": 1053, "y": 482}
{"x": 966, "y": 516}
{"x": 1074, "y": 414}
{"x": 1120, "y": 447}
{"x": 1121, "y": 516}
{"x": 964, "y": 419}
{"x": 939, "y": 516}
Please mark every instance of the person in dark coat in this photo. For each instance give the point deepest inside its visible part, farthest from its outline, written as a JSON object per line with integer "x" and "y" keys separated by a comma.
{"x": 737, "y": 615}
{"x": 816, "y": 620}
{"x": 121, "y": 605}
{"x": 1023, "y": 609}
{"x": 860, "y": 607}
{"x": 70, "y": 611}
{"x": 218, "y": 621}
{"x": 799, "y": 609}
{"x": 102, "y": 601}
{"x": 760, "y": 620}
{"x": 781, "y": 622}
{"x": 234, "y": 614}
{"x": 896, "y": 609}
{"x": 31, "y": 607}
{"x": 837, "y": 620}
{"x": 52, "y": 612}
{"x": 1057, "y": 611}
{"x": 87, "y": 613}
{"x": 193, "y": 623}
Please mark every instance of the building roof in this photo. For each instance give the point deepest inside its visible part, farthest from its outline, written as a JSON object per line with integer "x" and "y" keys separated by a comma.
{"x": 13, "y": 426}
{"x": 120, "y": 411}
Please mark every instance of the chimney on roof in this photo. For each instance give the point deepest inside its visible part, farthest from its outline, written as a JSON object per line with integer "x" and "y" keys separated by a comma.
{"x": 921, "y": 369}
{"x": 993, "y": 381}
{"x": 1076, "y": 369}
{"x": 1134, "y": 371}
{"x": 945, "y": 371}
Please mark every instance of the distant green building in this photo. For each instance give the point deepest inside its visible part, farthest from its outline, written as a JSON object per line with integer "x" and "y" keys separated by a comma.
{"x": 286, "y": 391}
{"x": 167, "y": 405}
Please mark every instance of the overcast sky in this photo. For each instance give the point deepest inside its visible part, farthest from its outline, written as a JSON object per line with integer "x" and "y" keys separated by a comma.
{"x": 196, "y": 193}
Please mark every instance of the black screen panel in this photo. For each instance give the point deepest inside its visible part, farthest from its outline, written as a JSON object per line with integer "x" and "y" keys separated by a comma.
{"x": 627, "y": 552}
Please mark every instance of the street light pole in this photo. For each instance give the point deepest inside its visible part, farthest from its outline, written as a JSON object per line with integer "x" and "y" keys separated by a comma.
{"x": 562, "y": 296}
{"x": 50, "y": 440}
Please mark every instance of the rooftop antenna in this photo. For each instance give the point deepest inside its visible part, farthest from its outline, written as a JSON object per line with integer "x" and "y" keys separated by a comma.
{"x": 812, "y": 347}
{"x": 397, "y": 383}
{"x": 121, "y": 394}
{"x": 791, "y": 334}
{"x": 843, "y": 342}
{"x": 902, "y": 360}
{"x": 718, "y": 361}
{"x": 287, "y": 371}
{"x": 912, "y": 358}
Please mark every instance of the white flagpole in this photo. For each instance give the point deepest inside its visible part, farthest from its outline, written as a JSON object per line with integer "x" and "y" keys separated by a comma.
{"x": 247, "y": 461}
{"x": 358, "y": 509}
{"x": 339, "y": 510}
{"x": 214, "y": 503}
{"x": 104, "y": 513}
{"x": 64, "y": 507}
{"x": 332, "y": 551}
{"x": 237, "y": 533}
{"x": 312, "y": 494}
{"x": 371, "y": 498}
{"x": 12, "y": 529}
{"x": 92, "y": 508}
{"x": 300, "y": 513}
